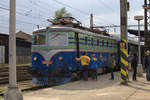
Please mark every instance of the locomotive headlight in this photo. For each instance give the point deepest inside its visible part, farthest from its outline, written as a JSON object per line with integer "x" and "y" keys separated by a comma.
{"x": 35, "y": 58}
{"x": 47, "y": 65}
{"x": 60, "y": 58}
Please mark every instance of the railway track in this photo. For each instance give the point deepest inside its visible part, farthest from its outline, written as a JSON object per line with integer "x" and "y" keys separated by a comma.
{"x": 29, "y": 89}
{"x": 22, "y": 74}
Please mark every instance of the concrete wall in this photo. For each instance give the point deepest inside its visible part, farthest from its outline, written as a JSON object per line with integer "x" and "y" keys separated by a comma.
{"x": 2, "y": 54}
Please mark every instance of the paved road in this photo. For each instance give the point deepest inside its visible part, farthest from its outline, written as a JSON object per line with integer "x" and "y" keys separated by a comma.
{"x": 103, "y": 89}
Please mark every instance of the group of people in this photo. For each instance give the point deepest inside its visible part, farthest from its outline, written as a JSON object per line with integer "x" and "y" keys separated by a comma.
{"x": 146, "y": 65}
{"x": 91, "y": 64}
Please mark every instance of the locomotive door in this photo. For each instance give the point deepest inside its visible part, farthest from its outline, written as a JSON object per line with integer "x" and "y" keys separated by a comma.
{"x": 77, "y": 45}
{"x": 77, "y": 49}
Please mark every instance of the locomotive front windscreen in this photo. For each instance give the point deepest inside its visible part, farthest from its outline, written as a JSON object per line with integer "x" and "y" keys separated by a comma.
{"x": 39, "y": 39}
{"x": 58, "y": 39}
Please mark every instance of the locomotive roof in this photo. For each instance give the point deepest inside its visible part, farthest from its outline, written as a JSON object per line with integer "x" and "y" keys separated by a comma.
{"x": 69, "y": 29}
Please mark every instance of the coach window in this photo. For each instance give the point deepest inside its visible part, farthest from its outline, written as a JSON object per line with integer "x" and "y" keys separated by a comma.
{"x": 92, "y": 41}
{"x": 39, "y": 39}
{"x": 58, "y": 39}
{"x": 86, "y": 41}
{"x": 97, "y": 42}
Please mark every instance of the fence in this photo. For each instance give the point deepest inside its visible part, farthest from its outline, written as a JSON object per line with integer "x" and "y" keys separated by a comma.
{"x": 2, "y": 54}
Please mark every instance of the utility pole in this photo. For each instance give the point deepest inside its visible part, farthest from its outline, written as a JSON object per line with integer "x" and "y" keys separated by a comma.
{"x": 91, "y": 21}
{"x": 123, "y": 44}
{"x": 38, "y": 26}
{"x": 123, "y": 12}
{"x": 13, "y": 93}
{"x": 145, "y": 25}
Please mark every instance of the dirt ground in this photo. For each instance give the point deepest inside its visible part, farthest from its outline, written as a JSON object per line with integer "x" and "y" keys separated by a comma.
{"x": 103, "y": 89}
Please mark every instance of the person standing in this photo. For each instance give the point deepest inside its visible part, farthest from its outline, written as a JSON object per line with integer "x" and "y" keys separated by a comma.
{"x": 111, "y": 65}
{"x": 134, "y": 66}
{"x": 147, "y": 64}
{"x": 130, "y": 57}
{"x": 93, "y": 66}
{"x": 85, "y": 60}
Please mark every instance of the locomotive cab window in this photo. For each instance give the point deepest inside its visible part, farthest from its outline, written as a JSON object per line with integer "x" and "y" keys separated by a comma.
{"x": 58, "y": 39}
{"x": 39, "y": 39}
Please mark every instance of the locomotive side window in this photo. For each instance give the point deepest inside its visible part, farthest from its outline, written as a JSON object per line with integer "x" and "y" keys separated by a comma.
{"x": 86, "y": 41}
{"x": 102, "y": 42}
{"x": 58, "y": 39}
{"x": 107, "y": 44}
{"x": 39, "y": 39}
{"x": 92, "y": 41}
{"x": 111, "y": 44}
{"x": 97, "y": 42}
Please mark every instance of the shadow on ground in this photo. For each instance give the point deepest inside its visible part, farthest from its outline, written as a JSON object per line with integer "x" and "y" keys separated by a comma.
{"x": 102, "y": 82}
{"x": 140, "y": 85}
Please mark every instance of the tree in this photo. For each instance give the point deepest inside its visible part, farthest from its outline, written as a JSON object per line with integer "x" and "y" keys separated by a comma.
{"x": 61, "y": 13}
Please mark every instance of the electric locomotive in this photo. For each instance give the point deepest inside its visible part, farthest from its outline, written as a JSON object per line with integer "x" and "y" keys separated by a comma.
{"x": 55, "y": 48}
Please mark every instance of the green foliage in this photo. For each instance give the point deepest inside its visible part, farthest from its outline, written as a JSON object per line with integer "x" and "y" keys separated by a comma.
{"x": 61, "y": 13}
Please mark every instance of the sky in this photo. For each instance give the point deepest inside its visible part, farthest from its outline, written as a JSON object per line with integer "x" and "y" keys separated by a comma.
{"x": 31, "y": 13}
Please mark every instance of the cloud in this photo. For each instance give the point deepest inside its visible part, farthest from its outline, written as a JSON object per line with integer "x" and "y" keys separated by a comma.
{"x": 106, "y": 12}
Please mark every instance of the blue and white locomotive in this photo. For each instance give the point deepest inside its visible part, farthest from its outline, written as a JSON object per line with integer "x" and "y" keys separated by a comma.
{"x": 55, "y": 48}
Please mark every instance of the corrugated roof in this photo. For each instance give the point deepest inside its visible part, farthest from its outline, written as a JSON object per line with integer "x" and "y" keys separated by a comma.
{"x": 25, "y": 36}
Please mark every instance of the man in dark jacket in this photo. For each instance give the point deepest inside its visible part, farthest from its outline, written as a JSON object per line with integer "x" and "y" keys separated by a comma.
{"x": 147, "y": 64}
{"x": 134, "y": 66}
{"x": 111, "y": 65}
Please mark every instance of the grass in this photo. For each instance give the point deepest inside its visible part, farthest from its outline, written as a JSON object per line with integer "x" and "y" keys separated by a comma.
{"x": 1, "y": 98}
{"x": 3, "y": 65}
{"x": 2, "y": 88}
{"x": 27, "y": 64}
{"x": 21, "y": 85}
